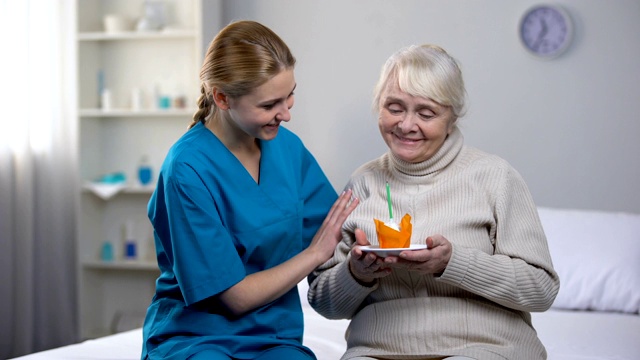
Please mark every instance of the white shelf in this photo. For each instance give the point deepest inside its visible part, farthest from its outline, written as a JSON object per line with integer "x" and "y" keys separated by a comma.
{"x": 127, "y": 189}
{"x": 162, "y": 63}
{"x": 139, "y": 190}
{"x": 132, "y": 35}
{"x": 134, "y": 265}
{"x": 99, "y": 113}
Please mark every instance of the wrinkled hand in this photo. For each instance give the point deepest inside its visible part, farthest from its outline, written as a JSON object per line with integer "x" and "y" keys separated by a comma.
{"x": 366, "y": 267}
{"x": 432, "y": 260}
{"x": 329, "y": 235}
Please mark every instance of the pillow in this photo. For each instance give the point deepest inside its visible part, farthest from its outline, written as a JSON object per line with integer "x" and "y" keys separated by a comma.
{"x": 303, "y": 289}
{"x": 597, "y": 256}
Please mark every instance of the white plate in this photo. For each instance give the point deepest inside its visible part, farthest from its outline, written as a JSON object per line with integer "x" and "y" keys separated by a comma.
{"x": 391, "y": 251}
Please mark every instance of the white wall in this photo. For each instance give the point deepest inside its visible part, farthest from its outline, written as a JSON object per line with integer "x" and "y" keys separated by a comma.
{"x": 569, "y": 125}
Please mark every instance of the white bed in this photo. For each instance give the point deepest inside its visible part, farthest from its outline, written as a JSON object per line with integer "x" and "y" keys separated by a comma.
{"x": 596, "y": 314}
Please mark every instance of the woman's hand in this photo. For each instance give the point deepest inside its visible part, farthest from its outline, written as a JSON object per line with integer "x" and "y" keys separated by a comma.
{"x": 366, "y": 267}
{"x": 432, "y": 260}
{"x": 262, "y": 287}
{"x": 329, "y": 235}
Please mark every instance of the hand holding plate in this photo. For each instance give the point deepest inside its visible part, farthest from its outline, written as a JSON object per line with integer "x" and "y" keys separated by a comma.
{"x": 366, "y": 266}
{"x": 431, "y": 260}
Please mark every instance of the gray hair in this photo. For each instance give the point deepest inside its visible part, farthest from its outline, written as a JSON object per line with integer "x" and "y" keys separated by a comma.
{"x": 426, "y": 71}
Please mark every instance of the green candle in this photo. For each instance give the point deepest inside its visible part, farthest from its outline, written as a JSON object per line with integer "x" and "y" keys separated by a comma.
{"x": 389, "y": 202}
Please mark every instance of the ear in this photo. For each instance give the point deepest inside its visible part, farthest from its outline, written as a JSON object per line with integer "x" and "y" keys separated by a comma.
{"x": 220, "y": 98}
{"x": 452, "y": 125}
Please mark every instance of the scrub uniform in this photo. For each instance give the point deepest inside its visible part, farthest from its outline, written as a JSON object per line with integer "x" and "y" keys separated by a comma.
{"x": 214, "y": 225}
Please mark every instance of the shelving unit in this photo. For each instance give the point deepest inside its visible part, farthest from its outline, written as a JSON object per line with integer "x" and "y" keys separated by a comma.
{"x": 157, "y": 63}
{"x": 99, "y": 113}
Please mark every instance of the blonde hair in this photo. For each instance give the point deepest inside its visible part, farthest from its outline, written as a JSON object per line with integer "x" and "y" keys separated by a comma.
{"x": 426, "y": 71}
{"x": 242, "y": 56}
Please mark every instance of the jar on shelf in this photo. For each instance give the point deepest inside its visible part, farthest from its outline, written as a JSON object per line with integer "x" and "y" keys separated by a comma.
{"x": 153, "y": 18}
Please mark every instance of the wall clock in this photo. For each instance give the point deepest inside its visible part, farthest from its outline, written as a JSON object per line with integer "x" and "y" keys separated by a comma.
{"x": 546, "y": 31}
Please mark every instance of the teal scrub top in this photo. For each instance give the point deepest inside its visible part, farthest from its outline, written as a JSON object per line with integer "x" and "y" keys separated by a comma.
{"x": 214, "y": 225}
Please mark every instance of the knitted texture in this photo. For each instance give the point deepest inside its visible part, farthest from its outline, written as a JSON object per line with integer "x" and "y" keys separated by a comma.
{"x": 500, "y": 268}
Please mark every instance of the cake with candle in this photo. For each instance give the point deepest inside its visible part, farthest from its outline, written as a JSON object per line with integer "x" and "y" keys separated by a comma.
{"x": 392, "y": 235}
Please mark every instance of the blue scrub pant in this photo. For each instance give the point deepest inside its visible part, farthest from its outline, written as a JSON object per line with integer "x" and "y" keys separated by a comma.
{"x": 276, "y": 353}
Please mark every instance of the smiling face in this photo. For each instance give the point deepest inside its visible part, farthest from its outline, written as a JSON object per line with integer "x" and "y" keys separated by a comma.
{"x": 413, "y": 127}
{"x": 259, "y": 113}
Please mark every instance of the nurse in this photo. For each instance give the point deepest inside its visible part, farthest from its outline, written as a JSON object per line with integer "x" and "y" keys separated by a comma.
{"x": 242, "y": 212}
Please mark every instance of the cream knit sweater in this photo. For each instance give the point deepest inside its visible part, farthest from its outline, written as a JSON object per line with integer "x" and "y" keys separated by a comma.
{"x": 500, "y": 268}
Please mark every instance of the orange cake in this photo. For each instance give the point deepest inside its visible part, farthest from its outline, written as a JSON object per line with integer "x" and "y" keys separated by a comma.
{"x": 389, "y": 237}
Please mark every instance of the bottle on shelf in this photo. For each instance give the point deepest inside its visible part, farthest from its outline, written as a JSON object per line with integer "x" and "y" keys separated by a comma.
{"x": 145, "y": 172}
{"x": 130, "y": 243}
{"x": 162, "y": 100}
{"x": 105, "y": 99}
{"x": 136, "y": 99}
{"x": 106, "y": 254}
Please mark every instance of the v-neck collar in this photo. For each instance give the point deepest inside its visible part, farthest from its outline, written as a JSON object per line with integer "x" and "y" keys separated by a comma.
{"x": 263, "y": 167}
{"x": 274, "y": 181}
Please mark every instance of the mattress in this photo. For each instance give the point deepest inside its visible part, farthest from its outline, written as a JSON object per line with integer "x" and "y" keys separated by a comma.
{"x": 587, "y": 335}
{"x": 575, "y": 238}
{"x": 567, "y": 335}
{"x": 122, "y": 346}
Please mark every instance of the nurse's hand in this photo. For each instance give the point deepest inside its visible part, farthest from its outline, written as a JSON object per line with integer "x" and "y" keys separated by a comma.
{"x": 263, "y": 287}
{"x": 329, "y": 234}
{"x": 366, "y": 267}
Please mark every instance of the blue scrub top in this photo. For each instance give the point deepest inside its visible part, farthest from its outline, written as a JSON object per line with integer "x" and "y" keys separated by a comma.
{"x": 214, "y": 225}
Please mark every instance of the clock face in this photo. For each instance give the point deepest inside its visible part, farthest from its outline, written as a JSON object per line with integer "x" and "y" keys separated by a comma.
{"x": 546, "y": 31}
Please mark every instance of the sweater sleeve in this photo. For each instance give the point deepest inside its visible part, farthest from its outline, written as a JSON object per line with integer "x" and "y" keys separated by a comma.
{"x": 519, "y": 274}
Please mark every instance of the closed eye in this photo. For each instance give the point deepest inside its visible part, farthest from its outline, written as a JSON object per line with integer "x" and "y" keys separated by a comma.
{"x": 269, "y": 106}
{"x": 426, "y": 116}
{"x": 394, "y": 109}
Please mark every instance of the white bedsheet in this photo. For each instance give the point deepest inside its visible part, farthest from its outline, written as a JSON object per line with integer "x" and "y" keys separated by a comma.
{"x": 584, "y": 335}
{"x": 567, "y": 335}
{"x": 122, "y": 346}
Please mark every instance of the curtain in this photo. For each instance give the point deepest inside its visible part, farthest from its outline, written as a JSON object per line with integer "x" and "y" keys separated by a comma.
{"x": 38, "y": 176}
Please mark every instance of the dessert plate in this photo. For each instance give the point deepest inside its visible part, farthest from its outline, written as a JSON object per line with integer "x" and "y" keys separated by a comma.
{"x": 391, "y": 251}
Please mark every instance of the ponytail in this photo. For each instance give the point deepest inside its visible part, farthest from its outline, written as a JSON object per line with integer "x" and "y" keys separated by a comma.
{"x": 204, "y": 108}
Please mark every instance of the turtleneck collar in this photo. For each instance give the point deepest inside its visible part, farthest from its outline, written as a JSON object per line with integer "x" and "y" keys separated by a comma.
{"x": 445, "y": 155}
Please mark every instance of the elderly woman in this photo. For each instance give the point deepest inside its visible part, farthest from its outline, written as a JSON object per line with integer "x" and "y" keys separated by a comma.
{"x": 486, "y": 264}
